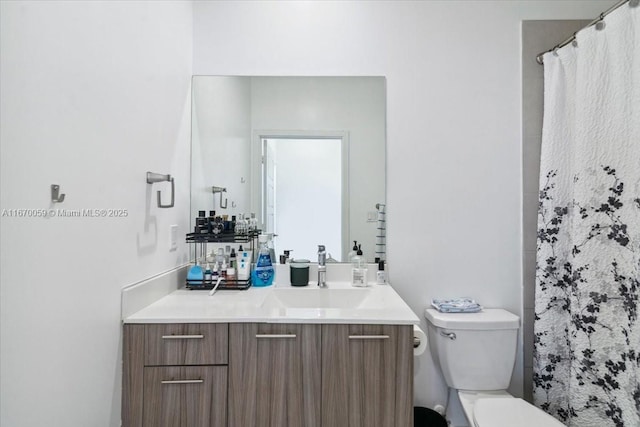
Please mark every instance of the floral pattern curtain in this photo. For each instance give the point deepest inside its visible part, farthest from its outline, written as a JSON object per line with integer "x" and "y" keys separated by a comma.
{"x": 587, "y": 332}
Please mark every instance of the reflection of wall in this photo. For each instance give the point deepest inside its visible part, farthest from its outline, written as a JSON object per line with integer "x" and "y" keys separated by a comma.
{"x": 356, "y": 106}
{"x": 221, "y": 137}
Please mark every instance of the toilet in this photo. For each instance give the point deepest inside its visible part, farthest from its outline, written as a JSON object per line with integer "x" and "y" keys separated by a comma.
{"x": 476, "y": 353}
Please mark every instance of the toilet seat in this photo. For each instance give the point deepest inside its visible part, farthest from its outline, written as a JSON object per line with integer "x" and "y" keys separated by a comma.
{"x": 510, "y": 412}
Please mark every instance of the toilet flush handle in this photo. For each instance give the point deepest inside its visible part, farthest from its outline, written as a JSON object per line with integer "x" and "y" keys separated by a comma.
{"x": 450, "y": 335}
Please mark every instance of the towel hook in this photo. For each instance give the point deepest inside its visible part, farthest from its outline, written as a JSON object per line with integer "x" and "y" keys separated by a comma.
{"x": 156, "y": 177}
{"x": 220, "y": 190}
{"x": 56, "y": 197}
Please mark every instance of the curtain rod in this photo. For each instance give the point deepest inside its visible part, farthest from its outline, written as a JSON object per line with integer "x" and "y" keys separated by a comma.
{"x": 598, "y": 22}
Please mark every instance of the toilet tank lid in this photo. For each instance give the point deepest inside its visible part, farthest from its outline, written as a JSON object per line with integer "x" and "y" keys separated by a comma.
{"x": 487, "y": 319}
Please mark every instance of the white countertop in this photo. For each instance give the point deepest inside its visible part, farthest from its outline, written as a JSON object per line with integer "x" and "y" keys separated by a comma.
{"x": 375, "y": 304}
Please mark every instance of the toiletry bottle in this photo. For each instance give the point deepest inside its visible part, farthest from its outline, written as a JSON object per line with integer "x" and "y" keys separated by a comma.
{"x": 359, "y": 269}
{"x": 381, "y": 275}
{"x": 264, "y": 272}
{"x": 220, "y": 258}
{"x": 211, "y": 221}
{"x": 233, "y": 259}
{"x": 244, "y": 266}
{"x": 223, "y": 270}
{"x": 207, "y": 273}
{"x": 253, "y": 223}
{"x": 231, "y": 277}
{"x": 214, "y": 273}
{"x": 353, "y": 252}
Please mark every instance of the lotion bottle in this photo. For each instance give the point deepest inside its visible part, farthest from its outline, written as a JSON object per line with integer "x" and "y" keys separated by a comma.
{"x": 381, "y": 275}
{"x": 353, "y": 252}
{"x": 359, "y": 269}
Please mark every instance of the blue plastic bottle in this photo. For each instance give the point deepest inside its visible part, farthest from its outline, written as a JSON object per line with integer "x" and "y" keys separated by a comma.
{"x": 264, "y": 272}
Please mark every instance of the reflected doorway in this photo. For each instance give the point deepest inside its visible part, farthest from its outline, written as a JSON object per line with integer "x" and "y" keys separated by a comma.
{"x": 302, "y": 200}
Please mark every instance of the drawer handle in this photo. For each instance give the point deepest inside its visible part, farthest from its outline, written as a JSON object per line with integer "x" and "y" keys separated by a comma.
{"x": 368, "y": 337}
{"x": 182, "y": 381}
{"x": 275, "y": 335}
{"x": 181, "y": 337}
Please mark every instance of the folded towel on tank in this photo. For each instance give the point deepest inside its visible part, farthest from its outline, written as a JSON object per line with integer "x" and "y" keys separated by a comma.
{"x": 456, "y": 305}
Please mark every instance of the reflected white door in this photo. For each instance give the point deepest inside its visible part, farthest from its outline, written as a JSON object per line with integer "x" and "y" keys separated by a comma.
{"x": 303, "y": 194}
{"x": 270, "y": 186}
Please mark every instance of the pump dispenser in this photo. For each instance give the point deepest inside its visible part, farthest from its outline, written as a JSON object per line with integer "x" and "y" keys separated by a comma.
{"x": 381, "y": 276}
{"x": 353, "y": 252}
{"x": 359, "y": 269}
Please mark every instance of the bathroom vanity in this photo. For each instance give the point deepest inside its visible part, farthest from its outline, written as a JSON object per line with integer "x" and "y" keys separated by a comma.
{"x": 271, "y": 357}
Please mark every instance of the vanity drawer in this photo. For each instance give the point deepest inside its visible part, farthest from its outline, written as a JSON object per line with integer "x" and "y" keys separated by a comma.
{"x": 186, "y": 344}
{"x": 193, "y": 396}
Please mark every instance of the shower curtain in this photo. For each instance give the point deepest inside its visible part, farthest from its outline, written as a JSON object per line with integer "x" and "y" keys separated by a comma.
{"x": 586, "y": 327}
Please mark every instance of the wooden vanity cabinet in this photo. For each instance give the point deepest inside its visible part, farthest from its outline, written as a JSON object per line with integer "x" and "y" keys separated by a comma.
{"x": 367, "y": 375}
{"x": 267, "y": 375}
{"x": 175, "y": 375}
{"x": 274, "y": 375}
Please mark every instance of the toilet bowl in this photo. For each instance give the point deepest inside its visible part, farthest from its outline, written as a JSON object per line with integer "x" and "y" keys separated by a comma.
{"x": 476, "y": 355}
{"x": 500, "y": 409}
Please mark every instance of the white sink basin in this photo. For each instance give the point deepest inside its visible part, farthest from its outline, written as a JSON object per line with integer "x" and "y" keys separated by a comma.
{"x": 316, "y": 298}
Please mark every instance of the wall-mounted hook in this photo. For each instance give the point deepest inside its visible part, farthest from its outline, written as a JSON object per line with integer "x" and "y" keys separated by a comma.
{"x": 56, "y": 197}
{"x": 156, "y": 177}
{"x": 242, "y": 180}
{"x": 220, "y": 190}
{"x": 233, "y": 204}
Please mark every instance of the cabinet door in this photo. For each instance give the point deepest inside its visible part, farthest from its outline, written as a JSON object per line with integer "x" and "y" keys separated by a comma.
{"x": 367, "y": 376}
{"x": 274, "y": 375}
{"x": 185, "y": 396}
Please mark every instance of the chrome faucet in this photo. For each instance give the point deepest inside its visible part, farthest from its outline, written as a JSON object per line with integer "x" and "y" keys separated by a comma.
{"x": 322, "y": 267}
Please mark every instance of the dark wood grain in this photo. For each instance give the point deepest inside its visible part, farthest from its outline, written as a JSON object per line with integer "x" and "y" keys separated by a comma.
{"x": 274, "y": 381}
{"x": 367, "y": 382}
{"x": 132, "y": 375}
{"x": 212, "y": 349}
{"x": 185, "y": 405}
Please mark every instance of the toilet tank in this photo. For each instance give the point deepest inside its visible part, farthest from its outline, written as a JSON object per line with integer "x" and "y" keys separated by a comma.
{"x": 475, "y": 351}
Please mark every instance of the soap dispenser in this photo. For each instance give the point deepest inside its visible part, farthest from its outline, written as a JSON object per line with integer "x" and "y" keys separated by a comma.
{"x": 381, "y": 276}
{"x": 353, "y": 252}
{"x": 359, "y": 269}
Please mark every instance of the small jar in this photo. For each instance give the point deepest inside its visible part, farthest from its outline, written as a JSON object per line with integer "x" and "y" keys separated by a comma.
{"x": 299, "y": 271}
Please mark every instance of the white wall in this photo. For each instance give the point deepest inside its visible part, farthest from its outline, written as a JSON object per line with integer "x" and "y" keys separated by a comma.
{"x": 453, "y": 125}
{"x": 93, "y": 95}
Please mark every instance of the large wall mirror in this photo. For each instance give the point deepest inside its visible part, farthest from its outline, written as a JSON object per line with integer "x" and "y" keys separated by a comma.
{"x": 306, "y": 155}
